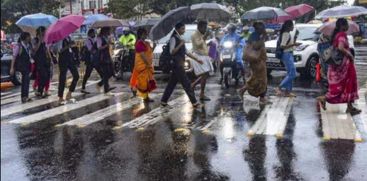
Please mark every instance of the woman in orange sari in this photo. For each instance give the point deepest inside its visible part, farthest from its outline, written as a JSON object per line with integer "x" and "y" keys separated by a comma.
{"x": 142, "y": 78}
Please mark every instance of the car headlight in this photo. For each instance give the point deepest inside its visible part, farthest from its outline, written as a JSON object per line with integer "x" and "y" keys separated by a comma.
{"x": 301, "y": 47}
{"x": 228, "y": 44}
{"x": 297, "y": 58}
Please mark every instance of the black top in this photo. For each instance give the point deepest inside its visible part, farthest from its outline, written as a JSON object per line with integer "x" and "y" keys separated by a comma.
{"x": 23, "y": 60}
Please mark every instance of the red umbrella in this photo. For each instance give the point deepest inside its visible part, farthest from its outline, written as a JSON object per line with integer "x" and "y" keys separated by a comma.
{"x": 299, "y": 10}
{"x": 63, "y": 28}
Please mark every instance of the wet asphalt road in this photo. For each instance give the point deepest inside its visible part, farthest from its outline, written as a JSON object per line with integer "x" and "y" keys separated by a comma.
{"x": 174, "y": 145}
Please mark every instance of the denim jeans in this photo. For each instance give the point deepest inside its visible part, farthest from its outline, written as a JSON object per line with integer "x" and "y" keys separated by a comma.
{"x": 288, "y": 61}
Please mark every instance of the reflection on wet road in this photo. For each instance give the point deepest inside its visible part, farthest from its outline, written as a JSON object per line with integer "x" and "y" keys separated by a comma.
{"x": 121, "y": 138}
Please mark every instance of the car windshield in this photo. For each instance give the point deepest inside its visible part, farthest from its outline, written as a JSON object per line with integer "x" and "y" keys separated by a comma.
{"x": 186, "y": 36}
{"x": 306, "y": 33}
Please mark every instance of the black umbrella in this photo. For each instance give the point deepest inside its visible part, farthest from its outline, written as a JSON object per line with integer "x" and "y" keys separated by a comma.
{"x": 168, "y": 21}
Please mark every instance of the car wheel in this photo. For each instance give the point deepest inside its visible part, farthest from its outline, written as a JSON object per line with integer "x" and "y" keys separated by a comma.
{"x": 310, "y": 71}
{"x": 17, "y": 78}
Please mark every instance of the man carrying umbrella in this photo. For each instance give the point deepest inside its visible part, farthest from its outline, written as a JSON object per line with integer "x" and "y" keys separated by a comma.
{"x": 178, "y": 51}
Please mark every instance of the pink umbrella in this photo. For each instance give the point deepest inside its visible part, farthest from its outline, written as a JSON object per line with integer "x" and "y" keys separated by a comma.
{"x": 329, "y": 27}
{"x": 299, "y": 10}
{"x": 63, "y": 28}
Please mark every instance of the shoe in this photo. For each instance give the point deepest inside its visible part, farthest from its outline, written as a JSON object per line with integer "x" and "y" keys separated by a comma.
{"x": 290, "y": 95}
{"x": 148, "y": 100}
{"x": 108, "y": 94}
{"x": 47, "y": 94}
{"x": 62, "y": 101}
{"x": 166, "y": 105}
{"x": 84, "y": 91}
{"x": 37, "y": 94}
{"x": 26, "y": 99}
{"x": 204, "y": 98}
{"x": 197, "y": 105}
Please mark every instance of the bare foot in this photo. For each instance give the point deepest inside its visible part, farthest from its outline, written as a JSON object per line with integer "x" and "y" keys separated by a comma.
{"x": 322, "y": 101}
{"x": 278, "y": 92}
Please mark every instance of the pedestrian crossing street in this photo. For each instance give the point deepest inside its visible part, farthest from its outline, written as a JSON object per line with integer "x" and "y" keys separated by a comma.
{"x": 272, "y": 120}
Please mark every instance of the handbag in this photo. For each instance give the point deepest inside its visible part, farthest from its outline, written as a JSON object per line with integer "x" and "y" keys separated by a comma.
{"x": 333, "y": 56}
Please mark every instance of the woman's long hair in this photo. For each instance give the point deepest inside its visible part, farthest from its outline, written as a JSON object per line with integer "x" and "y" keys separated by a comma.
{"x": 40, "y": 30}
{"x": 141, "y": 32}
{"x": 338, "y": 27}
{"x": 23, "y": 36}
{"x": 286, "y": 26}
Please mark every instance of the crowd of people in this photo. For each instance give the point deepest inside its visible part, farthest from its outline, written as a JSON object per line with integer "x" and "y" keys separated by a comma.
{"x": 339, "y": 82}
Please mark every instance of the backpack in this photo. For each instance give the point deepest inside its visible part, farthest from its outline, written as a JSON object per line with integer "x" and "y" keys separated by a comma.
{"x": 85, "y": 55}
{"x": 166, "y": 59}
{"x": 279, "y": 50}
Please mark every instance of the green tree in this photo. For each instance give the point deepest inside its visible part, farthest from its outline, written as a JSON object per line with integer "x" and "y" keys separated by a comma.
{"x": 13, "y": 10}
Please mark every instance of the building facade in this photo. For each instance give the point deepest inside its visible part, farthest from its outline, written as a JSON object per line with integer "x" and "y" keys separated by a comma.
{"x": 84, "y": 7}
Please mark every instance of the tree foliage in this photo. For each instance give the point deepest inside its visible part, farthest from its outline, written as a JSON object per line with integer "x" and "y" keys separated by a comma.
{"x": 137, "y": 8}
{"x": 13, "y": 10}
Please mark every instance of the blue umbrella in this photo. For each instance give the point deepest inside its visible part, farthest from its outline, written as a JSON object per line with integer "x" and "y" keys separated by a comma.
{"x": 95, "y": 17}
{"x": 30, "y": 23}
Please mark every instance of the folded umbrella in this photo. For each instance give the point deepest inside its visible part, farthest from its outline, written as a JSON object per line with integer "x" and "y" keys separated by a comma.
{"x": 168, "y": 21}
{"x": 267, "y": 13}
{"x": 109, "y": 23}
{"x": 299, "y": 10}
{"x": 63, "y": 28}
{"x": 328, "y": 28}
{"x": 342, "y": 11}
{"x": 210, "y": 12}
{"x": 95, "y": 17}
{"x": 30, "y": 23}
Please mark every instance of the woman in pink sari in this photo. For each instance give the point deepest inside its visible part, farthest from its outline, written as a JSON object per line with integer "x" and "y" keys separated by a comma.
{"x": 342, "y": 78}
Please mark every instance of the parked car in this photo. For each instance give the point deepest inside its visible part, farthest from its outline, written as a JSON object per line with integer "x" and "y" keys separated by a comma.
{"x": 306, "y": 55}
{"x": 190, "y": 30}
{"x": 6, "y": 57}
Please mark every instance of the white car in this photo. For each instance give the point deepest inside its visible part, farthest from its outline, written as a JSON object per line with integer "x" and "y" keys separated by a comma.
{"x": 190, "y": 30}
{"x": 306, "y": 55}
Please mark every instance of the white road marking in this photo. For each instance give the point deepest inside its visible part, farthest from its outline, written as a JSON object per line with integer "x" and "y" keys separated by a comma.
{"x": 104, "y": 113}
{"x": 61, "y": 110}
{"x": 336, "y": 124}
{"x": 17, "y": 98}
{"x": 156, "y": 115}
{"x": 21, "y": 107}
{"x": 273, "y": 119}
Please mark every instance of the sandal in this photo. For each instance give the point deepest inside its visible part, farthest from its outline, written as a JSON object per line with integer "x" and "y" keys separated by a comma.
{"x": 353, "y": 111}
{"x": 196, "y": 105}
{"x": 290, "y": 95}
{"x": 322, "y": 101}
{"x": 278, "y": 92}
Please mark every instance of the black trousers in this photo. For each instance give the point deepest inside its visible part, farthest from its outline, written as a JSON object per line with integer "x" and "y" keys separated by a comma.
{"x": 132, "y": 59}
{"x": 44, "y": 76}
{"x": 64, "y": 66}
{"x": 88, "y": 71}
{"x": 106, "y": 69}
{"x": 178, "y": 75}
{"x": 25, "y": 84}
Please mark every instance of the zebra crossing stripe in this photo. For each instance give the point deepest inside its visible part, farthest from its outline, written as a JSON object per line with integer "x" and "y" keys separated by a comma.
{"x": 22, "y": 107}
{"x": 30, "y": 88}
{"x": 104, "y": 113}
{"x": 62, "y": 109}
{"x": 273, "y": 119}
{"x": 336, "y": 124}
{"x": 17, "y": 98}
{"x": 156, "y": 115}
